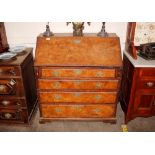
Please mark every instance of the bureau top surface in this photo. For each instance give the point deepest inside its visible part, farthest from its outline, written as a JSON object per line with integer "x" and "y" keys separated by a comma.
{"x": 18, "y": 60}
{"x": 68, "y": 50}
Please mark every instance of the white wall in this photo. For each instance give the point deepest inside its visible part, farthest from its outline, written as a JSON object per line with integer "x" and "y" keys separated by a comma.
{"x": 25, "y": 33}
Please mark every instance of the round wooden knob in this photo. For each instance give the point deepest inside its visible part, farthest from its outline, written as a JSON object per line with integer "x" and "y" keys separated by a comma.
{"x": 5, "y": 102}
{"x": 150, "y": 84}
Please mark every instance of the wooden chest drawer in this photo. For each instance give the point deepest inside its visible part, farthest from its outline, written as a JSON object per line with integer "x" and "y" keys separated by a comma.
{"x": 12, "y": 114}
{"x": 77, "y": 97}
{"x": 10, "y": 87}
{"x": 77, "y": 84}
{"x": 9, "y": 71}
{"x": 6, "y": 102}
{"x": 146, "y": 84}
{"x": 78, "y": 111}
{"x": 77, "y": 73}
{"x": 147, "y": 72}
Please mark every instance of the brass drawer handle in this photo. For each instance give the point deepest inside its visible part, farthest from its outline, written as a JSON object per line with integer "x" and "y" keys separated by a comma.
{"x": 5, "y": 102}
{"x": 8, "y": 115}
{"x": 17, "y": 103}
{"x": 99, "y": 74}
{"x": 98, "y": 97}
{"x": 77, "y": 107}
{"x": 57, "y": 97}
{"x": 7, "y": 87}
{"x": 150, "y": 84}
{"x": 2, "y": 88}
{"x": 12, "y": 72}
{"x": 98, "y": 85}
{"x": 12, "y": 82}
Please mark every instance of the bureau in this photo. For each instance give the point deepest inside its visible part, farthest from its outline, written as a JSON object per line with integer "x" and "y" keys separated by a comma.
{"x": 18, "y": 97}
{"x": 78, "y": 78}
{"x": 137, "y": 96}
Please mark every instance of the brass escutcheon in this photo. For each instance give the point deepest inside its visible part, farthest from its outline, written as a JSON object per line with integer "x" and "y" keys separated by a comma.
{"x": 97, "y": 110}
{"x": 77, "y": 71}
{"x": 56, "y": 73}
{"x": 58, "y": 110}
{"x": 56, "y": 85}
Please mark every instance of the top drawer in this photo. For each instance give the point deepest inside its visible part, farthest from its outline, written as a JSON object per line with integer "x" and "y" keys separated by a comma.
{"x": 76, "y": 73}
{"x": 9, "y": 71}
{"x": 147, "y": 72}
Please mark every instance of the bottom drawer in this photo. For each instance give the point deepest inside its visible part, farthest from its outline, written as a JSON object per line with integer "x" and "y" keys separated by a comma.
{"x": 78, "y": 111}
{"x": 13, "y": 115}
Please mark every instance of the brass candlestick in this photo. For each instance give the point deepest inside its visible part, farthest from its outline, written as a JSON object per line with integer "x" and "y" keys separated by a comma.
{"x": 103, "y": 32}
{"x": 48, "y": 32}
{"x": 78, "y": 28}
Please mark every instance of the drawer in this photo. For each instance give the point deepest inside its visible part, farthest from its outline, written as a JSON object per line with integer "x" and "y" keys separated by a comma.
{"x": 6, "y": 102}
{"x": 77, "y": 73}
{"x": 78, "y": 111}
{"x": 12, "y": 115}
{"x": 147, "y": 84}
{"x": 77, "y": 97}
{"x": 147, "y": 72}
{"x": 9, "y": 71}
{"x": 11, "y": 87}
{"x": 77, "y": 84}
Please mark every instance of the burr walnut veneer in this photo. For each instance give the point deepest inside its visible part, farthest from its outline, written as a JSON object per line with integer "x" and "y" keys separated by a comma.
{"x": 78, "y": 77}
{"x": 17, "y": 89}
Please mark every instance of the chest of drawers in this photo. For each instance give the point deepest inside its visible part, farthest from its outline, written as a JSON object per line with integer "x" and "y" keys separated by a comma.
{"x": 78, "y": 78}
{"x": 18, "y": 95}
{"x": 138, "y": 88}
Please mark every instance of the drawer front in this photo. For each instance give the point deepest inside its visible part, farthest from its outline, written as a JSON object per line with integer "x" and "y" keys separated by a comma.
{"x": 9, "y": 71}
{"x": 10, "y": 87}
{"x": 77, "y": 73}
{"x": 147, "y": 84}
{"x": 12, "y": 115}
{"x": 77, "y": 84}
{"x": 6, "y": 102}
{"x": 77, "y": 97}
{"x": 147, "y": 72}
{"x": 78, "y": 111}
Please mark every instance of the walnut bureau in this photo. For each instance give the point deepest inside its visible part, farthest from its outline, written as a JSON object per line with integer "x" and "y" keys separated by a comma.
{"x": 78, "y": 78}
{"x": 18, "y": 96}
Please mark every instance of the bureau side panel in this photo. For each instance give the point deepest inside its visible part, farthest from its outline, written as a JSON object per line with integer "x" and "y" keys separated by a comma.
{"x": 29, "y": 83}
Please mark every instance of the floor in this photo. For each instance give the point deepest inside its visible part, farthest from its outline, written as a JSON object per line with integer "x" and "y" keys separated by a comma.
{"x": 138, "y": 124}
